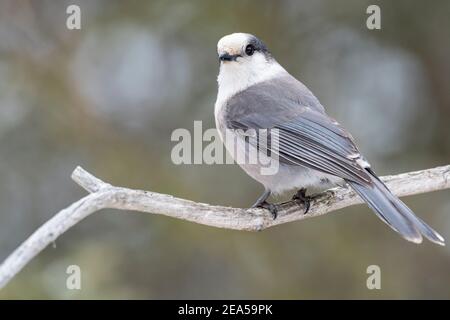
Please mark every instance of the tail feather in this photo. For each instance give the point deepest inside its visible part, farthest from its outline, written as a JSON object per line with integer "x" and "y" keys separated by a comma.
{"x": 424, "y": 229}
{"x": 394, "y": 212}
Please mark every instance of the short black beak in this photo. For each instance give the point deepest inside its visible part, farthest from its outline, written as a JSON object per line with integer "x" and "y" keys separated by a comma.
{"x": 228, "y": 57}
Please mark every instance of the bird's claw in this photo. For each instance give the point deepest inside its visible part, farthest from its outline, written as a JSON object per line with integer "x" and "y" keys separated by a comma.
{"x": 301, "y": 197}
{"x": 269, "y": 206}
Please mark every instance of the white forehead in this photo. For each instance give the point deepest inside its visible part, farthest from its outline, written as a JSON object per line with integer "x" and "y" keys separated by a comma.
{"x": 233, "y": 42}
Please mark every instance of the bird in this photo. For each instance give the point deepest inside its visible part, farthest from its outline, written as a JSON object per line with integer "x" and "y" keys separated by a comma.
{"x": 256, "y": 94}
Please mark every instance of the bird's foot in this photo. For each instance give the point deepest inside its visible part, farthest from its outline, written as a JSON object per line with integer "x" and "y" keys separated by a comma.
{"x": 301, "y": 198}
{"x": 269, "y": 206}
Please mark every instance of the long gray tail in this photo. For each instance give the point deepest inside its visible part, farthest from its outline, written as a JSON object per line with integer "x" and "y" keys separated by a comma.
{"x": 394, "y": 212}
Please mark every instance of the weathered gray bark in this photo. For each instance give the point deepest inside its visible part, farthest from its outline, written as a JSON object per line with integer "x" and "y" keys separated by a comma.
{"x": 103, "y": 195}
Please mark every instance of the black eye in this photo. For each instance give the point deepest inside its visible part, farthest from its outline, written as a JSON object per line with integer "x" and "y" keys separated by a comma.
{"x": 249, "y": 50}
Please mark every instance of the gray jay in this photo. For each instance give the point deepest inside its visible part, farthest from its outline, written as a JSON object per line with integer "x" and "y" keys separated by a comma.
{"x": 313, "y": 151}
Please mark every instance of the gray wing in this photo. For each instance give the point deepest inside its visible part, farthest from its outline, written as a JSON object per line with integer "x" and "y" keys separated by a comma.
{"x": 306, "y": 135}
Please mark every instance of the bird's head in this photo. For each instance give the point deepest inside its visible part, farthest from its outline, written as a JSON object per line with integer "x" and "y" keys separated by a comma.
{"x": 244, "y": 60}
{"x": 241, "y": 48}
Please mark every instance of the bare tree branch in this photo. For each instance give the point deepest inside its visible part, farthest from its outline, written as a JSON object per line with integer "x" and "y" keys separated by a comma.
{"x": 103, "y": 195}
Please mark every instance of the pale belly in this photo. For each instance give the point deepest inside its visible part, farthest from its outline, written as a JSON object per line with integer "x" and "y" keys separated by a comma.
{"x": 290, "y": 177}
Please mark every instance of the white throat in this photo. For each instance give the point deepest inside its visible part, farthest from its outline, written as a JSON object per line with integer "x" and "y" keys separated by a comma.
{"x": 236, "y": 76}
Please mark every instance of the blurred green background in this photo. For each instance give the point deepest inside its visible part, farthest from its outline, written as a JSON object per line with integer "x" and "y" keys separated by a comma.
{"x": 108, "y": 96}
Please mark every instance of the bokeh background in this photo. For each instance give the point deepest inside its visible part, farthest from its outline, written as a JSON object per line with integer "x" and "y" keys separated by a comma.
{"x": 108, "y": 97}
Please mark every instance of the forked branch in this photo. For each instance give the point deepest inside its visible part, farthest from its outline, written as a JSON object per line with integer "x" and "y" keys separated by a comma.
{"x": 103, "y": 195}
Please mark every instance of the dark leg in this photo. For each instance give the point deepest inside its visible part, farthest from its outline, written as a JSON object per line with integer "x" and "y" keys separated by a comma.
{"x": 302, "y": 198}
{"x": 261, "y": 199}
{"x": 262, "y": 203}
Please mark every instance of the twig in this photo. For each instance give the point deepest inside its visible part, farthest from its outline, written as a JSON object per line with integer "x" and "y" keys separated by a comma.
{"x": 103, "y": 195}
